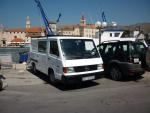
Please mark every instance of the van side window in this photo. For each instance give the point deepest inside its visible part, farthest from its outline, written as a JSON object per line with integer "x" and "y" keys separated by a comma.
{"x": 54, "y": 48}
{"x": 117, "y": 34}
{"x": 42, "y": 46}
{"x": 110, "y": 34}
{"x": 34, "y": 45}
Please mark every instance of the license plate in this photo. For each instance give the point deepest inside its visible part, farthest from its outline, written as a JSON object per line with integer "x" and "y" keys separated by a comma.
{"x": 136, "y": 60}
{"x": 88, "y": 78}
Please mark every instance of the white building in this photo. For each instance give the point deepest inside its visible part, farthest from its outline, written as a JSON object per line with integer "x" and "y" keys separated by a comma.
{"x": 2, "y": 38}
{"x": 22, "y": 35}
{"x": 83, "y": 29}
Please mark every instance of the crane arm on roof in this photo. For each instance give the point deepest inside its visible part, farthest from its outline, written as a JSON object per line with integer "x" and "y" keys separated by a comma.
{"x": 49, "y": 31}
{"x": 103, "y": 17}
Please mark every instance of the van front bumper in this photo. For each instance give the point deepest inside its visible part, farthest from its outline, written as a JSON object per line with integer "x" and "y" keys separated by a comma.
{"x": 82, "y": 78}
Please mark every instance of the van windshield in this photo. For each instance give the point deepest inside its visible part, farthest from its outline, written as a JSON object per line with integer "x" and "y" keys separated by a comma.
{"x": 78, "y": 49}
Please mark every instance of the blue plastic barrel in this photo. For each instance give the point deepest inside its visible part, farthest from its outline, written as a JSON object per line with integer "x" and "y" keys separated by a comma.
{"x": 23, "y": 57}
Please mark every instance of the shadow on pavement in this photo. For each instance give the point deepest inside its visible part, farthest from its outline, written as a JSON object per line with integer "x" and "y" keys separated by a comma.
{"x": 133, "y": 78}
{"x": 129, "y": 78}
{"x": 65, "y": 87}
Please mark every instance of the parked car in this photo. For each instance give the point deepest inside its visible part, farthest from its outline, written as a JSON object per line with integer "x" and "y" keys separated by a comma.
{"x": 3, "y": 83}
{"x": 121, "y": 59}
{"x": 144, "y": 53}
{"x": 0, "y": 64}
{"x": 69, "y": 59}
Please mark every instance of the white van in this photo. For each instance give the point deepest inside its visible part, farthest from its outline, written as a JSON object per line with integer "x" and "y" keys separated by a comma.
{"x": 66, "y": 59}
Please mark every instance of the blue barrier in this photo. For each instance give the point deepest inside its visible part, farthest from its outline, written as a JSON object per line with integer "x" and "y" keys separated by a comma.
{"x": 23, "y": 57}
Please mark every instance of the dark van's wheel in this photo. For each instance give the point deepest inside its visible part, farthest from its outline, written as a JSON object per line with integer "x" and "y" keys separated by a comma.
{"x": 1, "y": 85}
{"x": 148, "y": 59}
{"x": 115, "y": 73}
{"x": 52, "y": 77}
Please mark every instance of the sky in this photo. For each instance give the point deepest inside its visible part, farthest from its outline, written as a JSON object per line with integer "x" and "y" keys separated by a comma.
{"x": 13, "y": 13}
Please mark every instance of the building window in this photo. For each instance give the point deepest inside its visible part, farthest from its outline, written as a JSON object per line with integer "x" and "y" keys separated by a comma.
{"x": 4, "y": 42}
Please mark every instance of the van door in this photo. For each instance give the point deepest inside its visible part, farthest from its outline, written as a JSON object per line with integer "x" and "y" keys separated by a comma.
{"x": 54, "y": 60}
{"x": 42, "y": 56}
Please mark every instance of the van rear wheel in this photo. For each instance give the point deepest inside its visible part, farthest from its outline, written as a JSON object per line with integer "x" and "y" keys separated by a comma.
{"x": 115, "y": 73}
{"x": 34, "y": 68}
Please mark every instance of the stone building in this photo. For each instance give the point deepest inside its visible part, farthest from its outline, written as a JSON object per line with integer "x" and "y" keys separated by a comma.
{"x": 82, "y": 29}
{"x": 9, "y": 35}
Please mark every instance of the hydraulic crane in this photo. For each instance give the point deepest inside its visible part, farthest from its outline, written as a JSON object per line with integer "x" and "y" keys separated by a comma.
{"x": 49, "y": 31}
{"x": 103, "y": 17}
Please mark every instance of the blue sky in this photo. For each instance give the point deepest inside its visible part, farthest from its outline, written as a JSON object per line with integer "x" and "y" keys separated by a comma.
{"x": 124, "y": 12}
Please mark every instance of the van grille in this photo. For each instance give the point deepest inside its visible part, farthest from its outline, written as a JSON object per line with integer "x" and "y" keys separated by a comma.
{"x": 85, "y": 68}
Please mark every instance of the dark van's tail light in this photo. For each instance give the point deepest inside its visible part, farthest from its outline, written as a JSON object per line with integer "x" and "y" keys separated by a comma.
{"x": 131, "y": 60}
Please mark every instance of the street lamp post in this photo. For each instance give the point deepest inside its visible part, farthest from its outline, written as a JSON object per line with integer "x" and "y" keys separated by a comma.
{"x": 113, "y": 24}
{"x": 99, "y": 25}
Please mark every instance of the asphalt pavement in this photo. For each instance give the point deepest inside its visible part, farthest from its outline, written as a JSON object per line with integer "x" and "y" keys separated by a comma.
{"x": 29, "y": 93}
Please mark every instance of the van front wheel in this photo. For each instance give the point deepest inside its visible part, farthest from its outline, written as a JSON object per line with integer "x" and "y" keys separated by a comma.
{"x": 52, "y": 77}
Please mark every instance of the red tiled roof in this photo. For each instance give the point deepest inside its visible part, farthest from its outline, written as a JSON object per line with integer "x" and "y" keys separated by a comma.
{"x": 71, "y": 27}
{"x": 15, "y": 30}
{"x": 32, "y": 29}
{"x": 65, "y": 27}
{"x": 17, "y": 40}
{"x": 92, "y": 26}
{"x": 35, "y": 29}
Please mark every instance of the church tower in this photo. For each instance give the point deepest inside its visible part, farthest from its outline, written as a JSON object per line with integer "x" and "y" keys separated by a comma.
{"x": 82, "y": 25}
{"x": 82, "y": 20}
{"x": 28, "y": 23}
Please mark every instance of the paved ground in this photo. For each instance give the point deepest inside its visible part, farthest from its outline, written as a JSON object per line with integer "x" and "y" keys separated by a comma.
{"x": 19, "y": 76}
{"x": 27, "y": 93}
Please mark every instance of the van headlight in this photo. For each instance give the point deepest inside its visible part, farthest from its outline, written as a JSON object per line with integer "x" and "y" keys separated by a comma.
{"x": 68, "y": 70}
{"x": 99, "y": 66}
